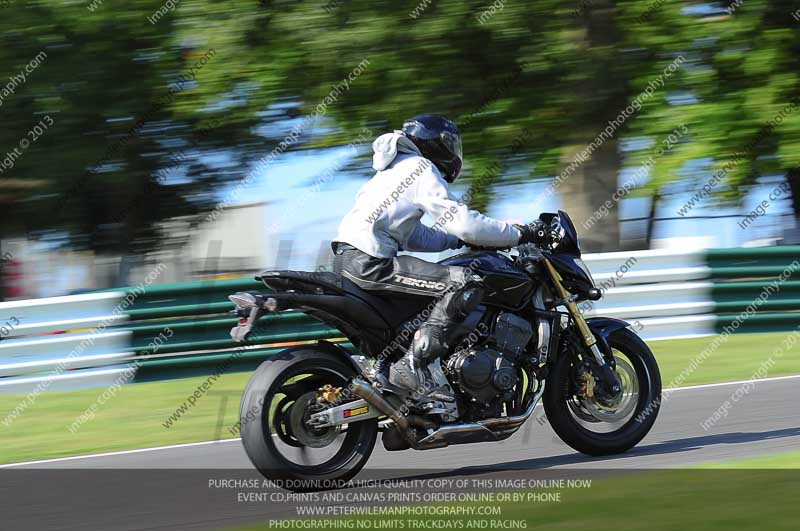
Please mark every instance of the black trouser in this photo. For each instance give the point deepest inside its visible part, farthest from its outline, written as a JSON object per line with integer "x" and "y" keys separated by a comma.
{"x": 403, "y": 274}
{"x": 453, "y": 286}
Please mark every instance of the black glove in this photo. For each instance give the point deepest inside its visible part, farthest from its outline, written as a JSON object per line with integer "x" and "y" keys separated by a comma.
{"x": 536, "y": 232}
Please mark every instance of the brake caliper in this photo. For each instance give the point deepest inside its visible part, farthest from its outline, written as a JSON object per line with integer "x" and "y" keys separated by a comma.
{"x": 329, "y": 394}
{"x": 587, "y": 385}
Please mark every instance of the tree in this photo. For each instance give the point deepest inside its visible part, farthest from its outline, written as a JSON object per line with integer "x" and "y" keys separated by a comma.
{"x": 504, "y": 74}
{"x": 104, "y": 102}
{"x": 738, "y": 99}
{"x": 143, "y": 132}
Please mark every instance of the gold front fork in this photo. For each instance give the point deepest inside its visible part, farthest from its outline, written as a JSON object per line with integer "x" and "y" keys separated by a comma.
{"x": 588, "y": 337}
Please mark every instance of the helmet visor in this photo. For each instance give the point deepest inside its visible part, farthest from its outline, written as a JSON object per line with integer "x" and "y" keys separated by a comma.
{"x": 452, "y": 141}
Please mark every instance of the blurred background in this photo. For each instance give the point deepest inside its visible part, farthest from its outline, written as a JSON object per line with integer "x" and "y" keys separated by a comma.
{"x": 225, "y": 137}
{"x": 155, "y": 154}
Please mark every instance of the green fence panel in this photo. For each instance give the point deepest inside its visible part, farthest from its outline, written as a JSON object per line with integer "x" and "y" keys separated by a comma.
{"x": 228, "y": 362}
{"x": 760, "y": 322}
{"x": 222, "y": 340}
{"x": 194, "y": 322}
{"x": 749, "y": 271}
{"x": 734, "y": 297}
{"x": 751, "y": 262}
{"x": 763, "y": 278}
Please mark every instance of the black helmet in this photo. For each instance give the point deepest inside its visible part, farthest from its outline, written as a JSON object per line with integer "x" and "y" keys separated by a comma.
{"x": 439, "y": 141}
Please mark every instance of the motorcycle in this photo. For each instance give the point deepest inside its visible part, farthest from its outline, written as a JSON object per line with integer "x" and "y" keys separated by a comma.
{"x": 311, "y": 415}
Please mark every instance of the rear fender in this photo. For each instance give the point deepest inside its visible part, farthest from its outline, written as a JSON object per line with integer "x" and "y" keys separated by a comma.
{"x": 322, "y": 346}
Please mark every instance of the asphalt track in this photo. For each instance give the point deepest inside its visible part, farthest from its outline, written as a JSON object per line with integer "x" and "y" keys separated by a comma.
{"x": 160, "y": 489}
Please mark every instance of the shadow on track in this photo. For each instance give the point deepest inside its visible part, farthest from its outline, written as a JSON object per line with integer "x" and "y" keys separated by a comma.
{"x": 663, "y": 448}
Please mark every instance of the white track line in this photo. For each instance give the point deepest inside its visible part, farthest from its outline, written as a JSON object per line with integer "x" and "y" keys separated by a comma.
{"x": 222, "y": 441}
{"x": 121, "y": 452}
{"x": 723, "y": 384}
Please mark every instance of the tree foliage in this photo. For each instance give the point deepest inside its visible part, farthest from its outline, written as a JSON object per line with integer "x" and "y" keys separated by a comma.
{"x": 141, "y": 134}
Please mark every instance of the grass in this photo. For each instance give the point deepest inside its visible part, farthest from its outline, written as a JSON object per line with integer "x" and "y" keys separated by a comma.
{"x": 782, "y": 461}
{"x": 737, "y": 359}
{"x": 134, "y": 417}
{"x": 656, "y": 501}
{"x": 753, "y": 494}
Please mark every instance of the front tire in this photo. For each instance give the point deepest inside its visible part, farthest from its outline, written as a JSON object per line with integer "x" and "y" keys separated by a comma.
{"x": 572, "y": 421}
{"x": 266, "y": 420}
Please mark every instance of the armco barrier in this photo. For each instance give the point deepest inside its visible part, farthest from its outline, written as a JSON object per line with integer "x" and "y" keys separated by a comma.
{"x": 664, "y": 291}
{"x": 56, "y": 314}
{"x": 80, "y": 341}
{"x": 765, "y": 279}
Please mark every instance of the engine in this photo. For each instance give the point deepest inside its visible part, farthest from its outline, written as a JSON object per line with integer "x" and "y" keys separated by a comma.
{"x": 488, "y": 372}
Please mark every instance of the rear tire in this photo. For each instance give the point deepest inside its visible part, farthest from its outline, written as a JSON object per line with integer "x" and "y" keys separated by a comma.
{"x": 560, "y": 390}
{"x": 257, "y": 421}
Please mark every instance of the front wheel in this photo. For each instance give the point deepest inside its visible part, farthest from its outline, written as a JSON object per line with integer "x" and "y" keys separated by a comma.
{"x": 277, "y": 401}
{"x": 597, "y": 425}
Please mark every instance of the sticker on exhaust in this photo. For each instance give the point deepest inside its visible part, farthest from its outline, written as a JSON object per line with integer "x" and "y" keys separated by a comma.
{"x": 355, "y": 412}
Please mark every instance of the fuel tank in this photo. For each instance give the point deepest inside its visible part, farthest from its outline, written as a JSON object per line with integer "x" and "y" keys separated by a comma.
{"x": 506, "y": 285}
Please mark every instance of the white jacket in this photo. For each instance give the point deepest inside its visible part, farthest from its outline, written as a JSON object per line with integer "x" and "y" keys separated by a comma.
{"x": 388, "y": 209}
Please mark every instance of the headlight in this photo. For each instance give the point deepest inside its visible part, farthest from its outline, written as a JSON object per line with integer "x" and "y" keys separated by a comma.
{"x": 582, "y": 265}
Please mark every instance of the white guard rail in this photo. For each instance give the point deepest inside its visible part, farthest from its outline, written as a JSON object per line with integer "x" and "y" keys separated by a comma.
{"x": 46, "y": 340}
{"x": 57, "y": 340}
{"x": 663, "y": 290}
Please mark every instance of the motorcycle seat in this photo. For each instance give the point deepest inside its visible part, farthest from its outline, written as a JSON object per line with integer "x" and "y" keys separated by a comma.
{"x": 320, "y": 282}
{"x": 333, "y": 283}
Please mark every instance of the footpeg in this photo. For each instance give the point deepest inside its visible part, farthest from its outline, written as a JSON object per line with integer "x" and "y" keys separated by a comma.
{"x": 434, "y": 408}
{"x": 441, "y": 396}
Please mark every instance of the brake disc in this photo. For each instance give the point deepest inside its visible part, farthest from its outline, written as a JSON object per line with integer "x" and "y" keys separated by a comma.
{"x": 620, "y": 407}
{"x": 305, "y": 406}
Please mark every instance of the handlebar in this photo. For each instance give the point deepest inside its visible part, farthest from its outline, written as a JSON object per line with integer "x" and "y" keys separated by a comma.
{"x": 553, "y": 240}
{"x": 483, "y": 248}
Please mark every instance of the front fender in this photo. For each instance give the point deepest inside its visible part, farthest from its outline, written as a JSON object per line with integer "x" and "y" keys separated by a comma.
{"x": 602, "y": 327}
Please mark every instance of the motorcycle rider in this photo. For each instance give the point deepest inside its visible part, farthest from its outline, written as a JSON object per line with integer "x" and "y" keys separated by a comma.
{"x": 414, "y": 167}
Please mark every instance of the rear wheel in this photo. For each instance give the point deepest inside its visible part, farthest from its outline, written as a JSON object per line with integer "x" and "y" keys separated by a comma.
{"x": 597, "y": 425}
{"x": 279, "y": 398}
